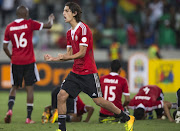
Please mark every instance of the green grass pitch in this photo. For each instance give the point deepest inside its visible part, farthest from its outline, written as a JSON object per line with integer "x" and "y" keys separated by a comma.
{"x": 42, "y": 99}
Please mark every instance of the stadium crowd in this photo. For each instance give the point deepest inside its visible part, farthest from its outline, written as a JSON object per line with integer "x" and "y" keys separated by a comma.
{"x": 130, "y": 23}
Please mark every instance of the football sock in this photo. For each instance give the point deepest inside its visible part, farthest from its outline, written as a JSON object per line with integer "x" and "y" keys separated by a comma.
{"x": 62, "y": 122}
{"x": 29, "y": 110}
{"x": 11, "y": 102}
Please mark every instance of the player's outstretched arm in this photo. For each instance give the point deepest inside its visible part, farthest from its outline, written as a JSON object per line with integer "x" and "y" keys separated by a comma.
{"x": 50, "y": 22}
{"x": 6, "y": 50}
{"x": 167, "y": 106}
{"x": 90, "y": 111}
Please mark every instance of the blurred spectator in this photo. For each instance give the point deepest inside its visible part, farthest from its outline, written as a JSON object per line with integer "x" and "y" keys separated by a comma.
{"x": 55, "y": 34}
{"x": 132, "y": 35}
{"x": 154, "y": 52}
{"x": 7, "y": 8}
{"x": 177, "y": 26}
{"x": 156, "y": 7}
{"x": 167, "y": 37}
{"x": 148, "y": 30}
{"x": 115, "y": 51}
{"x": 121, "y": 34}
{"x": 107, "y": 35}
{"x": 107, "y": 16}
{"x": 62, "y": 43}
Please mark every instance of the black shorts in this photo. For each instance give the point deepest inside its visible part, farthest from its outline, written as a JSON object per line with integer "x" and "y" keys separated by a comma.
{"x": 28, "y": 72}
{"x": 89, "y": 84}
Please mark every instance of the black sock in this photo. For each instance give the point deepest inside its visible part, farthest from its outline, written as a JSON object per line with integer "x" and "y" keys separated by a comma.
{"x": 29, "y": 110}
{"x": 68, "y": 118}
{"x": 62, "y": 122}
{"x": 122, "y": 116}
{"x": 11, "y": 102}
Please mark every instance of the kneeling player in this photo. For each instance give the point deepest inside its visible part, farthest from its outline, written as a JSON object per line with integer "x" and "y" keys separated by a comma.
{"x": 75, "y": 109}
{"x": 150, "y": 98}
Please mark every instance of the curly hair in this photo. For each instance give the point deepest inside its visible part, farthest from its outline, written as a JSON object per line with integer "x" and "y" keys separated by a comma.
{"x": 74, "y": 7}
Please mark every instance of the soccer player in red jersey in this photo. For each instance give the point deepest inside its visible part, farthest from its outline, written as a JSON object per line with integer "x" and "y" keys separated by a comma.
{"x": 149, "y": 98}
{"x": 113, "y": 86}
{"x": 83, "y": 76}
{"x": 20, "y": 33}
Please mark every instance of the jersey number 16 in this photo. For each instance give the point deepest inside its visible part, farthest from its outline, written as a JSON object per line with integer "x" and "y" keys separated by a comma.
{"x": 21, "y": 42}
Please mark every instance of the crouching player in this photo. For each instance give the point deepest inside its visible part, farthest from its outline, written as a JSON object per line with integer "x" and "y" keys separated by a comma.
{"x": 75, "y": 109}
{"x": 149, "y": 98}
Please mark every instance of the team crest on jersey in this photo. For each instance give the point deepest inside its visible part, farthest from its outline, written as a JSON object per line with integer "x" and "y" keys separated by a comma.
{"x": 76, "y": 37}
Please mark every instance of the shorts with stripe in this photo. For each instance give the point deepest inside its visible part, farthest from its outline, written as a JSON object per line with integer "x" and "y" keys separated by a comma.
{"x": 71, "y": 105}
{"x": 29, "y": 73}
{"x": 89, "y": 84}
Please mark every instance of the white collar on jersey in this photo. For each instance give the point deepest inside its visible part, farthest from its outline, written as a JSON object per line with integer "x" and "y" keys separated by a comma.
{"x": 19, "y": 20}
{"x": 114, "y": 74}
{"x": 77, "y": 26}
{"x": 140, "y": 106}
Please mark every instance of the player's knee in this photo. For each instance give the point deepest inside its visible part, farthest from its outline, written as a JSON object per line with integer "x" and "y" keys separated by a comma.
{"x": 62, "y": 95}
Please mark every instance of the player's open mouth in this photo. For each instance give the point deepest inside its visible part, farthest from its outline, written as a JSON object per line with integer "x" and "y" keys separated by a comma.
{"x": 64, "y": 18}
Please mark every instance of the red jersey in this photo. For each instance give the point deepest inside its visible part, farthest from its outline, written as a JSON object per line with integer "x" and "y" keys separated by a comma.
{"x": 147, "y": 98}
{"x": 82, "y": 35}
{"x": 113, "y": 86}
{"x": 20, "y": 33}
{"x": 80, "y": 107}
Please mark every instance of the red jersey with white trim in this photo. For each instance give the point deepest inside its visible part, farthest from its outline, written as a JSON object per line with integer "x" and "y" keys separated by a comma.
{"x": 148, "y": 98}
{"x": 112, "y": 87}
{"x": 20, "y": 33}
{"x": 82, "y": 35}
{"x": 80, "y": 107}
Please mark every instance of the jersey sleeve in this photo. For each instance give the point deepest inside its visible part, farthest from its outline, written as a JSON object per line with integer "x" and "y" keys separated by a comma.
{"x": 85, "y": 36}
{"x": 36, "y": 25}
{"x": 125, "y": 88}
{"x": 6, "y": 36}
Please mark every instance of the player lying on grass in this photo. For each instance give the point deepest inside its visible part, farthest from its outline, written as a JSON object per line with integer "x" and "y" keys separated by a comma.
{"x": 75, "y": 109}
{"x": 149, "y": 98}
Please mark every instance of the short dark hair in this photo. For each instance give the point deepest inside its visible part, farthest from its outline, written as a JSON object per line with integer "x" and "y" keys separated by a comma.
{"x": 74, "y": 7}
{"x": 159, "y": 112}
{"x": 139, "y": 113}
{"x": 115, "y": 65}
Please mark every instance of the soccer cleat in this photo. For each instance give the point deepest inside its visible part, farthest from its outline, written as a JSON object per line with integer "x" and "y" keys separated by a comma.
{"x": 54, "y": 116}
{"x": 45, "y": 117}
{"x": 8, "y": 117}
{"x": 177, "y": 117}
{"x": 111, "y": 120}
{"x": 58, "y": 130}
{"x": 129, "y": 124}
{"x": 29, "y": 121}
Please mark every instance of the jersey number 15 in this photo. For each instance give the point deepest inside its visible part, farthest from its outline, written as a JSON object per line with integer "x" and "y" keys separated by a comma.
{"x": 109, "y": 91}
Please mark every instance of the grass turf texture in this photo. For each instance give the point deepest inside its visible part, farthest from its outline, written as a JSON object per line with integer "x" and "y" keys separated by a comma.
{"x": 42, "y": 99}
